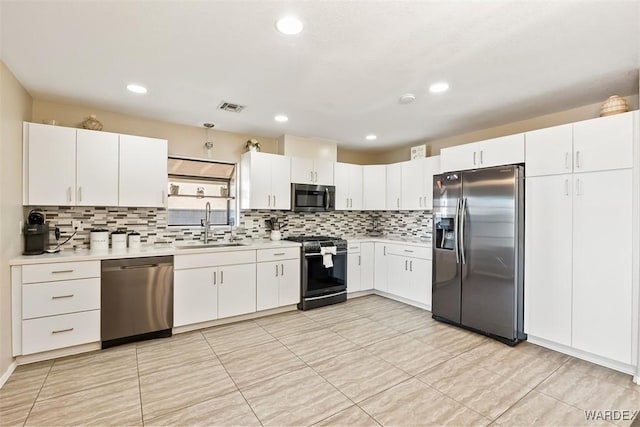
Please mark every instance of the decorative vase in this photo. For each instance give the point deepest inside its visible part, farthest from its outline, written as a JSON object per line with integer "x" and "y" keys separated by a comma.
{"x": 91, "y": 123}
{"x": 276, "y": 235}
{"x": 614, "y": 105}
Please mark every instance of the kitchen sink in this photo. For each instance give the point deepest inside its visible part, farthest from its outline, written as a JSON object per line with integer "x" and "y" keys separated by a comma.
{"x": 209, "y": 245}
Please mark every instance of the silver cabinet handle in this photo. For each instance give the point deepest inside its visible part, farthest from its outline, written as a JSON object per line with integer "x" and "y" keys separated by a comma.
{"x": 566, "y": 187}
{"x": 274, "y": 200}
{"x": 62, "y": 296}
{"x": 214, "y": 278}
{"x": 79, "y": 194}
{"x": 279, "y": 254}
{"x": 61, "y": 271}
{"x": 311, "y": 173}
{"x": 405, "y": 264}
{"x": 282, "y": 269}
{"x": 481, "y": 157}
{"x": 411, "y": 265}
{"x": 269, "y": 201}
{"x": 276, "y": 270}
{"x": 69, "y": 194}
{"x": 398, "y": 202}
{"x": 316, "y": 176}
{"x": 566, "y": 160}
{"x": 409, "y": 251}
{"x": 474, "y": 158}
{"x": 221, "y": 277}
{"x": 578, "y": 193}
{"x": 59, "y": 331}
{"x": 384, "y": 250}
{"x": 578, "y": 159}
{"x": 420, "y": 200}
{"x": 359, "y": 259}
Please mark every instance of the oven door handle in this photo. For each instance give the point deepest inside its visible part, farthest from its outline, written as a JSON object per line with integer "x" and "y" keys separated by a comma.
{"x": 327, "y": 199}
{"x": 318, "y": 255}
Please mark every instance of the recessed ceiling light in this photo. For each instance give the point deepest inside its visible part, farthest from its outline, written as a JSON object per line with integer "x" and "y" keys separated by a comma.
{"x": 281, "y": 118}
{"x": 136, "y": 88}
{"x": 407, "y": 98}
{"x": 439, "y": 87}
{"x": 289, "y": 25}
{"x": 370, "y": 137}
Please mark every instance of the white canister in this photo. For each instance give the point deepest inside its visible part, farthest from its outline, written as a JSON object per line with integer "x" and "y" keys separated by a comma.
{"x": 276, "y": 235}
{"x": 99, "y": 239}
{"x": 134, "y": 240}
{"x": 119, "y": 240}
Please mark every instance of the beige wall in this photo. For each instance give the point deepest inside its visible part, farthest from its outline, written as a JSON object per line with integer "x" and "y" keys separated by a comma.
{"x": 183, "y": 140}
{"x": 576, "y": 114}
{"x": 300, "y": 146}
{"x": 15, "y": 106}
{"x": 359, "y": 157}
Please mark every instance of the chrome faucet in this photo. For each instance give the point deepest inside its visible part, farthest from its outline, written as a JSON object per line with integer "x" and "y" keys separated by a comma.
{"x": 206, "y": 222}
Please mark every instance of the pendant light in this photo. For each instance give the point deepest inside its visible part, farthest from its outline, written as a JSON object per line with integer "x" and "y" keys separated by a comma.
{"x": 208, "y": 145}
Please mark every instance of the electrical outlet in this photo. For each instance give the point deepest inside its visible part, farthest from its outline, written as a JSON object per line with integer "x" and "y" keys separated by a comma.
{"x": 76, "y": 224}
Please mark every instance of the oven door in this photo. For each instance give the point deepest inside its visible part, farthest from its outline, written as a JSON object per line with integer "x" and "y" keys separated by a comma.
{"x": 312, "y": 198}
{"x": 321, "y": 280}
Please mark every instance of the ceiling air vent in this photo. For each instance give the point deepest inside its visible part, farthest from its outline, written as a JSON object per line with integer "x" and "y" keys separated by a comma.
{"x": 229, "y": 106}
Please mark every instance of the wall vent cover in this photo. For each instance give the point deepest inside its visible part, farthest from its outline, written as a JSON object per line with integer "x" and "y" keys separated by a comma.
{"x": 230, "y": 106}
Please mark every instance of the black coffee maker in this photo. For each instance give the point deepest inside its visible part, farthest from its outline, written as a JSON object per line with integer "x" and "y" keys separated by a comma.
{"x": 36, "y": 234}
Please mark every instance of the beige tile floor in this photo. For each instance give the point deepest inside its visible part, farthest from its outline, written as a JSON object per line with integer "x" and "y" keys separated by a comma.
{"x": 371, "y": 361}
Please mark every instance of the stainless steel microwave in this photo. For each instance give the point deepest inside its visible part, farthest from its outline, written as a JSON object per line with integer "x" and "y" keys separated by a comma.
{"x": 313, "y": 198}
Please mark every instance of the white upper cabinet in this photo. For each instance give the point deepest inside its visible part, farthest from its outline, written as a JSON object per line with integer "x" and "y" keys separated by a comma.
{"x": 97, "y": 168}
{"x": 311, "y": 171}
{"x": 394, "y": 186}
{"x": 265, "y": 181}
{"x": 412, "y": 183}
{"x": 143, "y": 171}
{"x": 348, "y": 182}
{"x": 49, "y": 165}
{"x": 604, "y": 143}
{"x": 374, "y": 184}
{"x": 431, "y": 168}
{"x": 78, "y": 167}
{"x": 505, "y": 150}
{"x": 549, "y": 151}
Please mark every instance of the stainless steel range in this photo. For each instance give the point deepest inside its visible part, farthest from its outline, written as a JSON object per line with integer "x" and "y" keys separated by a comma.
{"x": 322, "y": 283}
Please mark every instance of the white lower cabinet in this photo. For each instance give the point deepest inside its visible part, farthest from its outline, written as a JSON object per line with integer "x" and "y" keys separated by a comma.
{"x": 65, "y": 330}
{"x": 410, "y": 278}
{"x": 380, "y": 271}
{"x": 353, "y": 272}
{"x": 195, "y": 296}
{"x": 236, "y": 290}
{"x": 367, "y": 266}
{"x": 278, "y": 283}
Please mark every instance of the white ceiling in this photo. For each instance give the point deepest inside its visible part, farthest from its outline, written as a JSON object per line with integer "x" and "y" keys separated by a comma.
{"x": 342, "y": 76}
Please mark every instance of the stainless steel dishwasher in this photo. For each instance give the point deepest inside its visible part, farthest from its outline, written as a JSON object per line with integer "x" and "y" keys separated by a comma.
{"x": 136, "y": 299}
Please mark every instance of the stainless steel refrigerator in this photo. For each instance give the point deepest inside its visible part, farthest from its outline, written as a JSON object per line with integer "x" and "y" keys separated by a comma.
{"x": 478, "y": 248}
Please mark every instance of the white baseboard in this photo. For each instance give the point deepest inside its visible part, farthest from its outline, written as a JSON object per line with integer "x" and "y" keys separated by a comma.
{"x": 8, "y": 372}
{"x": 61, "y": 352}
{"x": 249, "y": 316}
{"x": 400, "y": 299}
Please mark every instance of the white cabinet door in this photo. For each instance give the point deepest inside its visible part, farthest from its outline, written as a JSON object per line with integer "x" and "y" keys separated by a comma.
{"x": 603, "y": 143}
{"x": 289, "y": 291}
{"x": 505, "y": 150}
{"x": 50, "y": 166}
{"x": 143, "y": 171}
{"x": 236, "y": 290}
{"x": 412, "y": 185}
{"x": 460, "y": 157}
{"x": 195, "y": 296}
{"x": 353, "y": 272}
{"x": 374, "y": 184}
{"x": 280, "y": 182}
{"x": 602, "y": 269}
{"x": 380, "y": 275}
{"x": 431, "y": 168}
{"x": 342, "y": 178}
{"x": 398, "y": 279}
{"x": 302, "y": 170}
{"x": 255, "y": 176}
{"x": 548, "y": 257}
{"x": 549, "y": 151}
{"x": 323, "y": 172}
{"x": 268, "y": 285}
{"x": 96, "y": 168}
{"x": 367, "y": 266}
{"x": 355, "y": 188}
{"x": 420, "y": 284}
{"x": 394, "y": 186}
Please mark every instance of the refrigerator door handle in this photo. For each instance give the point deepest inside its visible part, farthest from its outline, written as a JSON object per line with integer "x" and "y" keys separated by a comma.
{"x": 456, "y": 221}
{"x": 462, "y": 215}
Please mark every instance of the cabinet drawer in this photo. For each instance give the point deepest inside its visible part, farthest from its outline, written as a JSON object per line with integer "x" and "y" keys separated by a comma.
{"x": 49, "y": 333}
{"x": 69, "y": 296}
{"x": 60, "y": 271}
{"x": 276, "y": 254}
{"x": 353, "y": 247}
{"x": 213, "y": 259}
{"x": 409, "y": 251}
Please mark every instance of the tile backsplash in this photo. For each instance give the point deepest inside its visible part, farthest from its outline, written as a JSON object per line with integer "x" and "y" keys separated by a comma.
{"x": 151, "y": 223}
